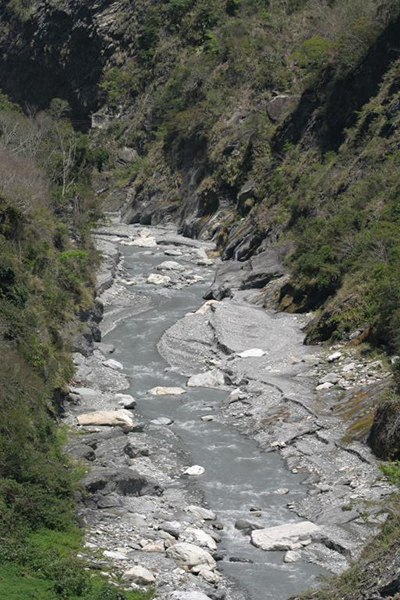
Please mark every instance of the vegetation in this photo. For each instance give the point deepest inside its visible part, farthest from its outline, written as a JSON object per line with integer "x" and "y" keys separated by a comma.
{"x": 46, "y": 266}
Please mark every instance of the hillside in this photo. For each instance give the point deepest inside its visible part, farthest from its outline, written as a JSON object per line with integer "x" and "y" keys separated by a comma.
{"x": 270, "y": 126}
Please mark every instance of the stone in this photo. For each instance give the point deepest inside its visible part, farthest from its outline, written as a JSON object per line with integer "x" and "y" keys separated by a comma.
{"x": 113, "y": 364}
{"x": 85, "y": 393}
{"x": 209, "y": 575}
{"x": 202, "y": 513}
{"x": 187, "y": 596}
{"x": 111, "y": 418}
{"x": 283, "y": 537}
{"x": 206, "y": 307}
{"x": 202, "y": 538}
{"x": 127, "y": 155}
{"x": 325, "y": 386}
{"x": 210, "y": 379}
{"x": 156, "y": 279}
{"x": 162, "y": 421}
{"x": 170, "y": 265}
{"x": 247, "y": 526}
{"x": 122, "y": 480}
{"x": 207, "y": 418}
{"x": 167, "y": 391}
{"x": 195, "y": 470}
{"x": 126, "y": 401}
{"x": 172, "y": 252}
{"x": 281, "y": 492}
{"x": 144, "y": 242}
{"x": 115, "y": 555}
{"x": 139, "y": 575}
{"x": 292, "y": 556}
{"x": 134, "y": 451}
{"x": 190, "y": 555}
{"x": 157, "y": 546}
{"x": 335, "y": 356}
{"x": 105, "y": 348}
{"x": 252, "y": 353}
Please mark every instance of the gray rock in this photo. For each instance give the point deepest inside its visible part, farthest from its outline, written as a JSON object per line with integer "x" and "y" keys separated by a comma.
{"x": 190, "y": 555}
{"x": 210, "y": 379}
{"x": 124, "y": 481}
{"x": 283, "y": 537}
{"x": 162, "y": 421}
{"x": 247, "y": 526}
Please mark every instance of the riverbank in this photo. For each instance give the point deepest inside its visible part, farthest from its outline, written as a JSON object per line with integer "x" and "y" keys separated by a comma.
{"x": 268, "y": 379}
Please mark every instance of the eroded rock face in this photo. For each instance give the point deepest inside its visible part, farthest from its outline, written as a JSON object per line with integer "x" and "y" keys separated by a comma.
{"x": 384, "y": 438}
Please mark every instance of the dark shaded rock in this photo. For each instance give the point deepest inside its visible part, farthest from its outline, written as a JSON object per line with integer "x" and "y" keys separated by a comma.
{"x": 384, "y": 437}
{"x": 82, "y": 451}
{"x": 279, "y": 106}
{"x": 123, "y": 481}
{"x": 133, "y": 451}
{"x": 247, "y": 526}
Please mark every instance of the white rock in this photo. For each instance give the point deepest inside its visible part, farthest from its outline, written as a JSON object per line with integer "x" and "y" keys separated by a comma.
{"x": 201, "y": 538}
{"x": 348, "y": 368}
{"x": 195, "y": 470}
{"x": 324, "y": 386}
{"x": 84, "y": 392}
{"x": 235, "y": 395}
{"x": 281, "y": 491}
{"x": 252, "y": 353}
{"x": 206, "y": 307}
{"x": 126, "y": 400}
{"x": 144, "y": 242}
{"x": 209, "y": 575}
{"x": 190, "y": 555}
{"x": 172, "y": 252}
{"x": 167, "y": 391}
{"x": 292, "y": 556}
{"x": 113, "y": 364}
{"x": 202, "y": 513}
{"x": 170, "y": 265}
{"x": 111, "y": 418}
{"x": 207, "y": 418}
{"x": 283, "y": 537}
{"x": 162, "y": 421}
{"x": 156, "y": 279}
{"x": 334, "y": 356}
{"x": 205, "y": 262}
{"x": 187, "y": 596}
{"x": 139, "y": 575}
{"x": 115, "y": 555}
{"x": 210, "y": 379}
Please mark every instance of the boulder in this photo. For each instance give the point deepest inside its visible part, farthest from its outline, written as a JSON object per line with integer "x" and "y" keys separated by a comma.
{"x": 124, "y": 481}
{"x": 283, "y": 537}
{"x": 202, "y": 513}
{"x": 144, "y": 242}
{"x": 156, "y": 279}
{"x": 252, "y": 353}
{"x": 335, "y": 356}
{"x": 195, "y": 470}
{"x": 202, "y": 538}
{"x": 167, "y": 391}
{"x": 210, "y": 379}
{"x": 139, "y": 575}
{"x": 112, "y": 418}
{"x": 126, "y": 401}
{"x": 247, "y": 526}
{"x": 113, "y": 364}
{"x": 190, "y": 555}
{"x": 162, "y": 421}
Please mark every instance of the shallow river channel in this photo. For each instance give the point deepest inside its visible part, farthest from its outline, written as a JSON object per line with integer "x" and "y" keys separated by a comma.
{"x": 238, "y": 475}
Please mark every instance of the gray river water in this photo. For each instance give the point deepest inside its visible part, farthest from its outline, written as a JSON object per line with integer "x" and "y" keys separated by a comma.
{"x": 238, "y": 474}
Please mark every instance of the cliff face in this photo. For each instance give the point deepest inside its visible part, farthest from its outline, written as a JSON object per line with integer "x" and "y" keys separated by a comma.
{"x": 56, "y": 50}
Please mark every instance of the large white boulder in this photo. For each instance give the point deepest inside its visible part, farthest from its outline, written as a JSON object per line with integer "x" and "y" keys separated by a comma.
{"x": 202, "y": 513}
{"x": 139, "y": 575}
{"x": 167, "y": 391}
{"x": 190, "y": 555}
{"x": 210, "y": 379}
{"x": 144, "y": 242}
{"x": 111, "y": 418}
{"x": 283, "y": 537}
{"x": 113, "y": 364}
{"x": 202, "y": 538}
{"x": 252, "y": 353}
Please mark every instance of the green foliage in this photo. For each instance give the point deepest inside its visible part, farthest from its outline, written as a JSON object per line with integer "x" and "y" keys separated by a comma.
{"x": 391, "y": 470}
{"x": 314, "y": 53}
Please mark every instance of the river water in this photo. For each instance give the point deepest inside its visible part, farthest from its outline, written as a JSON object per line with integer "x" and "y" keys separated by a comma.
{"x": 238, "y": 475}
